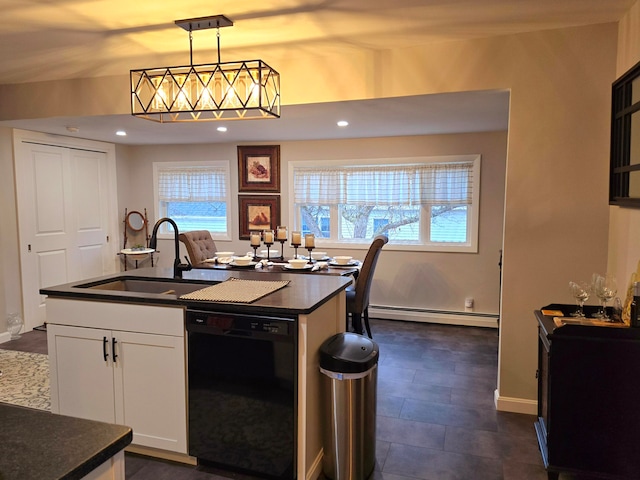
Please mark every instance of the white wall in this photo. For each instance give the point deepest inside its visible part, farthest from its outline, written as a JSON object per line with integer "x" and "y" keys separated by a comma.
{"x": 10, "y": 292}
{"x": 422, "y": 280}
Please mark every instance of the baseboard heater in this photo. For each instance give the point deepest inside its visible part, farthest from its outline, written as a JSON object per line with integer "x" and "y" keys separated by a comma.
{"x": 470, "y": 319}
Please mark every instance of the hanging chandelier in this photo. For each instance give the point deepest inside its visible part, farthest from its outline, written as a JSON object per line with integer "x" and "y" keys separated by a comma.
{"x": 245, "y": 89}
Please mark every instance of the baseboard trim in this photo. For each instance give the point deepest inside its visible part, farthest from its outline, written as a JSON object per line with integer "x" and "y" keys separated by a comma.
{"x": 164, "y": 454}
{"x": 5, "y": 337}
{"x": 469, "y": 319}
{"x": 514, "y": 405}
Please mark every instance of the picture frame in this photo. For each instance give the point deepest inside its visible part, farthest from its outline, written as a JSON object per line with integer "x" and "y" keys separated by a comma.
{"x": 259, "y": 168}
{"x": 258, "y": 212}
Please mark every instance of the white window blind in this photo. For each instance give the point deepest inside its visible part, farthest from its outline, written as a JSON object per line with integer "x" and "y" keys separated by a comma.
{"x": 192, "y": 184}
{"x": 393, "y": 185}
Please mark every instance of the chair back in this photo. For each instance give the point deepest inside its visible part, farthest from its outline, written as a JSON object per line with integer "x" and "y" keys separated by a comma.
{"x": 365, "y": 276}
{"x": 200, "y": 245}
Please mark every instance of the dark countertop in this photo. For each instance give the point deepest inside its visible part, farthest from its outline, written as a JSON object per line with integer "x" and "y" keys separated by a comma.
{"x": 304, "y": 294}
{"x": 39, "y": 445}
{"x": 615, "y": 331}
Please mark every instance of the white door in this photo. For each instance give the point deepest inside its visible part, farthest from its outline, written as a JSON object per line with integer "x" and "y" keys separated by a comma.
{"x": 63, "y": 217}
{"x": 90, "y": 206}
{"x": 81, "y": 377}
{"x": 150, "y": 386}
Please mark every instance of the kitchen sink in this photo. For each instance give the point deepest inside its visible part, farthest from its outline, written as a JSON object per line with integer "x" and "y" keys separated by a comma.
{"x": 144, "y": 285}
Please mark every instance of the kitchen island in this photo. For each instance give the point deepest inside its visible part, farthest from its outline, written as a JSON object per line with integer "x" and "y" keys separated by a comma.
{"x": 118, "y": 351}
{"x": 40, "y": 446}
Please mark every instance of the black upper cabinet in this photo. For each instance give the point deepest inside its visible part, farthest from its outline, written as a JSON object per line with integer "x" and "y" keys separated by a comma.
{"x": 624, "y": 179}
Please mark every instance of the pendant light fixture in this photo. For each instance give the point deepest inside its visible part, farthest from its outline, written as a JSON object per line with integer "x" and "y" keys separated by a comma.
{"x": 245, "y": 89}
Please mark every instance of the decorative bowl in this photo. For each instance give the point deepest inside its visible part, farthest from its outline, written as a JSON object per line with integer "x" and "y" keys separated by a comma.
{"x": 297, "y": 263}
{"x": 224, "y": 257}
{"x": 342, "y": 259}
{"x": 243, "y": 261}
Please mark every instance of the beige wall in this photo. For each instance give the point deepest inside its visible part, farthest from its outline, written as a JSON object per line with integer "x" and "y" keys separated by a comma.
{"x": 10, "y": 293}
{"x": 556, "y": 213}
{"x": 624, "y": 228}
{"x": 422, "y": 280}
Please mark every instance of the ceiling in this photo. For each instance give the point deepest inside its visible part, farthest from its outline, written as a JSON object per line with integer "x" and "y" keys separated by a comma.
{"x": 62, "y": 39}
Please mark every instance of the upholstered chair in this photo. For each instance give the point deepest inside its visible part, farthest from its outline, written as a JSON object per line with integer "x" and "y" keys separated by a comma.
{"x": 200, "y": 245}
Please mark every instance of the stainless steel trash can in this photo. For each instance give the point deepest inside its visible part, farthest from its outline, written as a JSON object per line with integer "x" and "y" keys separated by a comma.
{"x": 349, "y": 363}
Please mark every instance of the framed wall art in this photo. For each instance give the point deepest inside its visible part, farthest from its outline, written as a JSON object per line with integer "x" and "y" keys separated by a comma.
{"x": 258, "y": 212}
{"x": 259, "y": 168}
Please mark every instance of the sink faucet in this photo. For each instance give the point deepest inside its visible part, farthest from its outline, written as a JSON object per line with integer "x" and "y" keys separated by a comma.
{"x": 178, "y": 267}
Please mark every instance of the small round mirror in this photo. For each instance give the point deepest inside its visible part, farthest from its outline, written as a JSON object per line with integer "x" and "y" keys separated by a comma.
{"x": 135, "y": 221}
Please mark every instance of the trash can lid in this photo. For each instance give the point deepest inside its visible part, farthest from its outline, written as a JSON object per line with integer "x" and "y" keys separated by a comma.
{"x": 348, "y": 353}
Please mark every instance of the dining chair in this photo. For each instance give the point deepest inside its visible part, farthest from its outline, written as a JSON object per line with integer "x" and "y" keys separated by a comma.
{"x": 358, "y": 293}
{"x": 200, "y": 245}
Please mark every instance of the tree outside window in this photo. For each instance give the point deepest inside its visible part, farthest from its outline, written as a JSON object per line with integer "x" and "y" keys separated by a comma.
{"x": 428, "y": 203}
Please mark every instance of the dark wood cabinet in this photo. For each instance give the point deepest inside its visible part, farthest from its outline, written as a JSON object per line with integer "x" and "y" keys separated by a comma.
{"x": 588, "y": 398}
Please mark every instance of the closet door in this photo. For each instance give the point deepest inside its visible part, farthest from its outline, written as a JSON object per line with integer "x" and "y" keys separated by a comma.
{"x": 90, "y": 207}
{"x": 63, "y": 215}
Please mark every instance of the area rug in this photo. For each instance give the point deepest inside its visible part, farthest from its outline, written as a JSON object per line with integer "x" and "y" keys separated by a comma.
{"x": 25, "y": 379}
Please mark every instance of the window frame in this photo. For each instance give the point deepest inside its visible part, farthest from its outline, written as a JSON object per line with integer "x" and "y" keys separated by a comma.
{"x": 163, "y": 231}
{"x": 471, "y": 246}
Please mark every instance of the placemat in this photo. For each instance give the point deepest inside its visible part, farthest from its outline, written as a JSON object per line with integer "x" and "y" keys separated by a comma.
{"x": 236, "y": 290}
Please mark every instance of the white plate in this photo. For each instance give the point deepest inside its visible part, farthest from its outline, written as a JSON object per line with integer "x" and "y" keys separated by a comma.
{"x": 250, "y": 264}
{"x": 130, "y": 251}
{"x": 290, "y": 267}
{"x": 352, "y": 263}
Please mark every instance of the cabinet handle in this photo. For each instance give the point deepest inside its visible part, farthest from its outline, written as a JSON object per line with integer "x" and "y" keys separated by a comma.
{"x": 113, "y": 348}
{"x": 105, "y": 355}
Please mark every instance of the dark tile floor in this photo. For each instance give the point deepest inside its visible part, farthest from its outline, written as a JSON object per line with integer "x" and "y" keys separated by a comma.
{"x": 436, "y": 418}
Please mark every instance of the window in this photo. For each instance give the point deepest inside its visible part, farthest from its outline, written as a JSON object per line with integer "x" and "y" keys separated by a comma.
{"x": 194, "y": 195}
{"x": 421, "y": 203}
{"x": 624, "y": 172}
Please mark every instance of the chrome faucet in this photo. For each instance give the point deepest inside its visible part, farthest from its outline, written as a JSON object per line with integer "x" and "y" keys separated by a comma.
{"x": 178, "y": 267}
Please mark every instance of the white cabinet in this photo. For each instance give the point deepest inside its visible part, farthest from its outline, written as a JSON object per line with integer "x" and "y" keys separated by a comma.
{"x": 116, "y": 376}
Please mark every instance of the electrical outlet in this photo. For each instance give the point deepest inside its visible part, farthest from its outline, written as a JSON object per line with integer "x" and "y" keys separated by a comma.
{"x": 468, "y": 304}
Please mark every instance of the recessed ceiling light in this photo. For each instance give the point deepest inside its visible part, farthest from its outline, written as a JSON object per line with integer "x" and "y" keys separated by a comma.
{"x": 221, "y": 129}
{"x": 343, "y": 123}
{"x": 121, "y": 133}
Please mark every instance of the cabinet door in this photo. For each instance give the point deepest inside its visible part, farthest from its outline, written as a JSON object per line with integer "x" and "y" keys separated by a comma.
{"x": 150, "y": 388}
{"x": 81, "y": 378}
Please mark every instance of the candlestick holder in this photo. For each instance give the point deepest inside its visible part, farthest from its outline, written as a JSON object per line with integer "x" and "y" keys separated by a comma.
{"x": 282, "y": 248}
{"x": 256, "y": 239}
{"x": 295, "y": 249}
{"x": 310, "y": 249}
{"x": 268, "y": 245}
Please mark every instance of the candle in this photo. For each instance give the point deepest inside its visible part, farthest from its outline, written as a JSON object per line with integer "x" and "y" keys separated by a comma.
{"x": 255, "y": 239}
{"x": 281, "y": 233}
{"x": 268, "y": 236}
{"x": 296, "y": 238}
{"x": 309, "y": 240}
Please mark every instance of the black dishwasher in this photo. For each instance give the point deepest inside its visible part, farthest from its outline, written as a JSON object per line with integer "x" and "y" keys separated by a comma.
{"x": 242, "y": 392}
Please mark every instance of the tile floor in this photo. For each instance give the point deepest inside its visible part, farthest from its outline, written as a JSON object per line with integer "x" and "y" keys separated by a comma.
{"x": 436, "y": 419}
